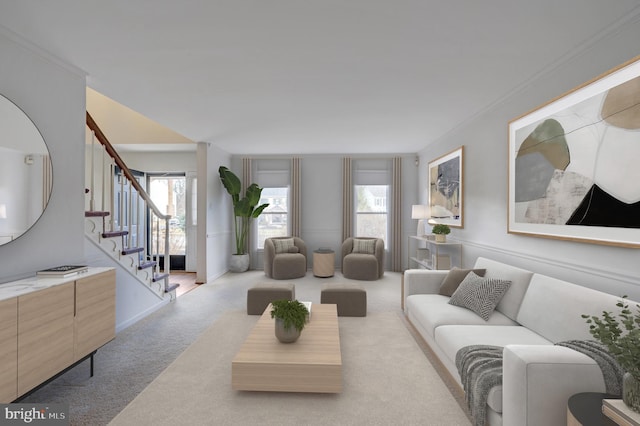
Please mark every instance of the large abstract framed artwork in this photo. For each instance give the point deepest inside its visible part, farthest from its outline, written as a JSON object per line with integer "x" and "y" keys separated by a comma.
{"x": 445, "y": 189}
{"x": 574, "y": 163}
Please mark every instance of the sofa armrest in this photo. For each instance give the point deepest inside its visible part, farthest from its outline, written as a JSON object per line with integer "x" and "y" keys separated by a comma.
{"x": 539, "y": 379}
{"x": 422, "y": 281}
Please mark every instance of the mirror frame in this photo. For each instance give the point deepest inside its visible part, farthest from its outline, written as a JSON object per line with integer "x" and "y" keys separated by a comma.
{"x": 27, "y": 182}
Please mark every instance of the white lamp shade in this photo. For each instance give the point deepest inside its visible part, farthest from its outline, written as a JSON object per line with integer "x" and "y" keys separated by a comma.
{"x": 419, "y": 211}
{"x": 3, "y": 211}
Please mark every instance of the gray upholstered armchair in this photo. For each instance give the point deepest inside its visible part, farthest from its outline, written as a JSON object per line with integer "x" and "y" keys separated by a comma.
{"x": 285, "y": 258}
{"x": 363, "y": 258}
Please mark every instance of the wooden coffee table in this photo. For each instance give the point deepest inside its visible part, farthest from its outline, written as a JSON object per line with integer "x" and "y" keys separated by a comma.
{"x": 312, "y": 364}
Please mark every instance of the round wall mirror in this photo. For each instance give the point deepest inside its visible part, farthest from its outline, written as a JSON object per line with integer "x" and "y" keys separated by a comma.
{"x": 25, "y": 172}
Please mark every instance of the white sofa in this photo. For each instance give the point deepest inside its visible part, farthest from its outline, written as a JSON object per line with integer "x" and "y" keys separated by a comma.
{"x": 535, "y": 313}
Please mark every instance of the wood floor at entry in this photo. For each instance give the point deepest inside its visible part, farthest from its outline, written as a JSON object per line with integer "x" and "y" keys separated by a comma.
{"x": 187, "y": 281}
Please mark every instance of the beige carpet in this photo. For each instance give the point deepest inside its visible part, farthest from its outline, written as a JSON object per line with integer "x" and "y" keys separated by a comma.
{"x": 387, "y": 381}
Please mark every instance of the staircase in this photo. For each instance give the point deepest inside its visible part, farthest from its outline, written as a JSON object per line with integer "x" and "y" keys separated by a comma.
{"x": 122, "y": 220}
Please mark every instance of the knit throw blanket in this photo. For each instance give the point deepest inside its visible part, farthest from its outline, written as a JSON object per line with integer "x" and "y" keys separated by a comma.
{"x": 480, "y": 369}
{"x": 611, "y": 370}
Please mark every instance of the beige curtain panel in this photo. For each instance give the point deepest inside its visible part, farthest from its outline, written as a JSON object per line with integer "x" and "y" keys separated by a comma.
{"x": 347, "y": 198}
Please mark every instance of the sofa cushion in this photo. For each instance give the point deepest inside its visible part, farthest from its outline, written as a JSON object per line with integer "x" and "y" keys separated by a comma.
{"x": 365, "y": 246}
{"x": 433, "y": 310}
{"x": 282, "y": 245}
{"x": 481, "y": 295}
{"x": 454, "y": 278}
{"x": 452, "y": 338}
{"x": 550, "y": 302}
{"x": 520, "y": 278}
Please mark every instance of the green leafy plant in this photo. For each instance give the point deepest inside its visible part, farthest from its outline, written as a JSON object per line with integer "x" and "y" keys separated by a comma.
{"x": 441, "y": 228}
{"x": 620, "y": 334}
{"x": 292, "y": 312}
{"x": 245, "y": 208}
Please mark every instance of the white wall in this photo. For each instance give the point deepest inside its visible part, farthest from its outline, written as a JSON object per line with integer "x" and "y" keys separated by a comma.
{"x": 612, "y": 269}
{"x": 215, "y": 232}
{"x": 52, "y": 94}
{"x": 150, "y": 162}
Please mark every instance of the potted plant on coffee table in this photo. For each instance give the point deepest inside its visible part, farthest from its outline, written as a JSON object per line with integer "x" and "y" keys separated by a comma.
{"x": 245, "y": 208}
{"x": 291, "y": 316}
{"x": 621, "y": 335}
{"x": 441, "y": 230}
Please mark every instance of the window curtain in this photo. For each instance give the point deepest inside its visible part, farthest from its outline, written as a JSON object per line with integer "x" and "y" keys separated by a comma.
{"x": 347, "y": 198}
{"x": 396, "y": 215}
{"x": 296, "y": 201}
{"x": 246, "y": 181}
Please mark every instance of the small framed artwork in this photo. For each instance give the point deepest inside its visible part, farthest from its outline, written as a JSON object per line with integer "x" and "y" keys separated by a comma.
{"x": 446, "y": 189}
{"x": 574, "y": 163}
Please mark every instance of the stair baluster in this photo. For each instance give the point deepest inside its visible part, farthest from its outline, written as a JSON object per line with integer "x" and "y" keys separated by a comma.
{"x": 123, "y": 223}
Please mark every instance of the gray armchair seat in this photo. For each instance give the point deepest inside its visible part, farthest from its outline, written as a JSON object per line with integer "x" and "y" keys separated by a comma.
{"x": 285, "y": 258}
{"x": 363, "y": 258}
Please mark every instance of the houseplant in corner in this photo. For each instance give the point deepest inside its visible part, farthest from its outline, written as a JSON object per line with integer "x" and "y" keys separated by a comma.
{"x": 290, "y": 315}
{"x": 441, "y": 230}
{"x": 621, "y": 335}
{"x": 245, "y": 208}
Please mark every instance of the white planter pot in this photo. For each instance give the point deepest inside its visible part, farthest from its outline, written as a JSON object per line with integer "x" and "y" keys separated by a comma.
{"x": 239, "y": 263}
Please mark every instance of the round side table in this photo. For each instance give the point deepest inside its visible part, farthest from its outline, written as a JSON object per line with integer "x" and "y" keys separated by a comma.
{"x": 324, "y": 262}
{"x": 585, "y": 409}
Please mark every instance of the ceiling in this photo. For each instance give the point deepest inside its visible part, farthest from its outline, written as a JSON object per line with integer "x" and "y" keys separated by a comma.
{"x": 311, "y": 76}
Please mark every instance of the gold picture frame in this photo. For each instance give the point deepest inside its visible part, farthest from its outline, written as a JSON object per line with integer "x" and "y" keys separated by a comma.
{"x": 446, "y": 189}
{"x": 574, "y": 163}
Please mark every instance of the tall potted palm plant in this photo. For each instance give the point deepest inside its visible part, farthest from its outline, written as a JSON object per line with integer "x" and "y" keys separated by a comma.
{"x": 245, "y": 208}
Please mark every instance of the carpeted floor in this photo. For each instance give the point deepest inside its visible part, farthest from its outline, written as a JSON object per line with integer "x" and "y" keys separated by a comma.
{"x": 392, "y": 373}
{"x": 385, "y": 378}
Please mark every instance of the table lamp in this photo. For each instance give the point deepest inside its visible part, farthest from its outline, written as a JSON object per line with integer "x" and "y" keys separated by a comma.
{"x": 420, "y": 212}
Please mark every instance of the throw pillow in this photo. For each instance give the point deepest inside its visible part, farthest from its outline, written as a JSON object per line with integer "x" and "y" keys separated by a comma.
{"x": 454, "y": 278}
{"x": 481, "y": 295}
{"x": 294, "y": 249}
{"x": 283, "y": 245}
{"x": 364, "y": 246}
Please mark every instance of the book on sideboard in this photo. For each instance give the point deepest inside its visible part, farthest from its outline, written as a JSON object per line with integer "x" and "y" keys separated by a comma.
{"x": 62, "y": 271}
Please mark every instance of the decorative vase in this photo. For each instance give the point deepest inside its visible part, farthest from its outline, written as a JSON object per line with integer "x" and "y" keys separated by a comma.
{"x": 286, "y": 335}
{"x": 631, "y": 392}
{"x": 239, "y": 263}
{"x": 441, "y": 238}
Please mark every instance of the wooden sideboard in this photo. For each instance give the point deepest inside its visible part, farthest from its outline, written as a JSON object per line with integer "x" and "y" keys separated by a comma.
{"x": 50, "y": 325}
{"x": 8, "y": 350}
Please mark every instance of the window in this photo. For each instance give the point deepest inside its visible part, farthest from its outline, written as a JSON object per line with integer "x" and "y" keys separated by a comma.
{"x": 372, "y": 211}
{"x": 273, "y": 176}
{"x": 273, "y": 222}
{"x": 372, "y": 198}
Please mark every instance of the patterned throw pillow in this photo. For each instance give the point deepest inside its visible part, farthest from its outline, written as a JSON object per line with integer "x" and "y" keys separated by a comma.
{"x": 454, "y": 278}
{"x": 283, "y": 245}
{"x": 481, "y": 295}
{"x": 364, "y": 246}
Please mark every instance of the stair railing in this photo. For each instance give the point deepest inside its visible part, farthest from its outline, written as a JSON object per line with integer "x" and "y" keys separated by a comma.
{"x": 127, "y": 211}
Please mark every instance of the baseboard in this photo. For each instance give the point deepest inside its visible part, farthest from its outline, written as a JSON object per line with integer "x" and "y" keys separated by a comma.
{"x": 141, "y": 315}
